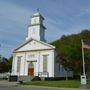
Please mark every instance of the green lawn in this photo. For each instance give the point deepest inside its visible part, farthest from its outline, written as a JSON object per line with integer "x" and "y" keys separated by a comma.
{"x": 63, "y": 83}
{"x": 88, "y": 86}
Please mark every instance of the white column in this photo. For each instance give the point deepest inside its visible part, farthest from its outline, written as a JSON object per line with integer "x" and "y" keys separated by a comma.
{"x": 24, "y": 64}
{"x": 53, "y": 62}
{"x": 13, "y": 65}
{"x": 38, "y": 62}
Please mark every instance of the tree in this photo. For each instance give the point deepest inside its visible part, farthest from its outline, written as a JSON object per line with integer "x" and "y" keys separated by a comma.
{"x": 3, "y": 64}
{"x": 70, "y": 51}
{"x": 10, "y": 63}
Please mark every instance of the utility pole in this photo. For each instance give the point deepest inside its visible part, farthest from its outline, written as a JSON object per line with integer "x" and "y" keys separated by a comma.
{"x": 83, "y": 58}
{"x": 83, "y": 77}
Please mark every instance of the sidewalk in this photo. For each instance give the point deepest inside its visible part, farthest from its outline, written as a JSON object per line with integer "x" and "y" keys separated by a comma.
{"x": 7, "y": 83}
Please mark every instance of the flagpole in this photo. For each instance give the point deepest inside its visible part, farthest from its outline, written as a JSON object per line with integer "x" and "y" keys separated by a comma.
{"x": 83, "y": 58}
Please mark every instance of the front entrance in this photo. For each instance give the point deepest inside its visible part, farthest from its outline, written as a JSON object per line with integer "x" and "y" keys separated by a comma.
{"x": 30, "y": 69}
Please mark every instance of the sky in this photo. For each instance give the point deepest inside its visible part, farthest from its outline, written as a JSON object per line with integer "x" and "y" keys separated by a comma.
{"x": 62, "y": 17}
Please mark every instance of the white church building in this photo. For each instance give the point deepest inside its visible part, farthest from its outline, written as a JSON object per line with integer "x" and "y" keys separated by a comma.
{"x": 35, "y": 57}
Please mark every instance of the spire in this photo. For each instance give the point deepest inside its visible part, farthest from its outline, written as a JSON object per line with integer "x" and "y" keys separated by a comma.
{"x": 38, "y": 10}
{"x": 37, "y": 14}
{"x": 36, "y": 28}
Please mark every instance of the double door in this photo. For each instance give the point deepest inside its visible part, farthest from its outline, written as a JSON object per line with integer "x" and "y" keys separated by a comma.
{"x": 30, "y": 68}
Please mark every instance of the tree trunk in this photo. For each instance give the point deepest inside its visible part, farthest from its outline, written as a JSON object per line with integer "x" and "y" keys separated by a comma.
{"x": 66, "y": 74}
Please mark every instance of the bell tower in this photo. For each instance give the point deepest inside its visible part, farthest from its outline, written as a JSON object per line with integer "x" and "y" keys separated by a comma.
{"x": 36, "y": 29}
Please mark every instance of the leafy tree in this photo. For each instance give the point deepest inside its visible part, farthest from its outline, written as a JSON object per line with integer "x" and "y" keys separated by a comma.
{"x": 70, "y": 51}
{"x": 5, "y": 64}
{"x": 10, "y": 63}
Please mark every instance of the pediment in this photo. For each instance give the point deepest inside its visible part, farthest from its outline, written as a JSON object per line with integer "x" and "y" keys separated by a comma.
{"x": 34, "y": 45}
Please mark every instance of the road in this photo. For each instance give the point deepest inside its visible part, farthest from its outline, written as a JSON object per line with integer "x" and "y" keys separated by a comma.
{"x": 5, "y": 85}
{"x": 33, "y": 88}
{"x": 25, "y": 88}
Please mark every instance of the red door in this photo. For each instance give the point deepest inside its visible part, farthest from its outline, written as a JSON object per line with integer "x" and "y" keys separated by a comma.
{"x": 31, "y": 71}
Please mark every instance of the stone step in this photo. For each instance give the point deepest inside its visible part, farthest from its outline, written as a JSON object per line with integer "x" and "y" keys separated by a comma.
{"x": 25, "y": 78}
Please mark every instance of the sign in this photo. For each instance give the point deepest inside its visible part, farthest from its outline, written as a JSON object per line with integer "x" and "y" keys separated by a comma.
{"x": 83, "y": 80}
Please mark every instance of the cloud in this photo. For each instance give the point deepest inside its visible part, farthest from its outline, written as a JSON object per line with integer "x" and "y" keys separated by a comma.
{"x": 14, "y": 12}
{"x": 61, "y": 17}
{"x": 13, "y": 24}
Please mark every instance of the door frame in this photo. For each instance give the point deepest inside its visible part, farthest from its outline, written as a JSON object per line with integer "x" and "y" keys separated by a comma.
{"x": 28, "y": 67}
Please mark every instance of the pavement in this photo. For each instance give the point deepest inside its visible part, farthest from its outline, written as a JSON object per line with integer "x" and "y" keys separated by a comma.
{"x": 6, "y": 85}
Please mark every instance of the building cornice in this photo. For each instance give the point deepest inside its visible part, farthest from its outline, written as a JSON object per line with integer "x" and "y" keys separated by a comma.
{"x": 37, "y": 16}
{"x": 32, "y": 50}
{"x": 36, "y": 25}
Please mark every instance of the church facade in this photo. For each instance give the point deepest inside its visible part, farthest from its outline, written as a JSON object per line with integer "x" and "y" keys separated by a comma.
{"x": 35, "y": 57}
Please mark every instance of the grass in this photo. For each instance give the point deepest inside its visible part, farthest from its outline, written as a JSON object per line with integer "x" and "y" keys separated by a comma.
{"x": 63, "y": 83}
{"x": 88, "y": 86}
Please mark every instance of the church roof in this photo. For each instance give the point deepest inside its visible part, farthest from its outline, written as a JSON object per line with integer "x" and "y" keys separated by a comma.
{"x": 37, "y": 14}
{"x": 49, "y": 45}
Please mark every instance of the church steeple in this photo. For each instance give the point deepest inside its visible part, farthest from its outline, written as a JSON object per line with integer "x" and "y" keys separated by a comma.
{"x": 36, "y": 29}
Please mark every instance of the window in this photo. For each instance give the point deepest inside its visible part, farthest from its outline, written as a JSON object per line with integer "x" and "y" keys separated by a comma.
{"x": 30, "y": 65}
{"x": 45, "y": 63}
{"x": 60, "y": 68}
{"x": 33, "y": 31}
{"x": 34, "y": 20}
{"x": 18, "y": 63}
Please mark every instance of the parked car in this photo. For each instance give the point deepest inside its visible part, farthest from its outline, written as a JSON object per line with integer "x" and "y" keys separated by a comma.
{"x": 4, "y": 75}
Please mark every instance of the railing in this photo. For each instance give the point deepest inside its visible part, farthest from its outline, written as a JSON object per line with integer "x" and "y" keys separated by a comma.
{"x": 43, "y": 74}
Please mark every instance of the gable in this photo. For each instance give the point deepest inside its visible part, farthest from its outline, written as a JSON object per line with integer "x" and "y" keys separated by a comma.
{"x": 34, "y": 45}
